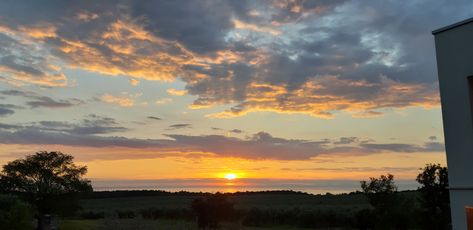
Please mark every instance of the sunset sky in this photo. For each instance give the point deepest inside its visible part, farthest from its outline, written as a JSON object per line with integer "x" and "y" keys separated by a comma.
{"x": 267, "y": 90}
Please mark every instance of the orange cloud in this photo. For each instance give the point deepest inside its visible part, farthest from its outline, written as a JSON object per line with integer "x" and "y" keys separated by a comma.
{"x": 176, "y": 92}
{"x": 322, "y": 96}
{"x": 125, "y": 100}
{"x": 134, "y": 82}
{"x": 163, "y": 101}
{"x": 257, "y": 28}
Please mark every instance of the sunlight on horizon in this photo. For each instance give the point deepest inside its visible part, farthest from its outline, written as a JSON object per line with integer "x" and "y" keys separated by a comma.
{"x": 231, "y": 176}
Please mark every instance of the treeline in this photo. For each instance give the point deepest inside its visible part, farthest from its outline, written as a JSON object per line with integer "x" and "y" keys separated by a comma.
{"x": 151, "y": 193}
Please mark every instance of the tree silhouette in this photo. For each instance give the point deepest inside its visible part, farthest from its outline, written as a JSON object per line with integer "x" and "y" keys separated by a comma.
{"x": 382, "y": 195}
{"x": 43, "y": 178}
{"x": 379, "y": 191}
{"x": 434, "y": 197}
{"x": 212, "y": 211}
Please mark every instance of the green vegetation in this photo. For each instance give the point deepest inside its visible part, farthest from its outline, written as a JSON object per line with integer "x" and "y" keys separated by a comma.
{"x": 15, "y": 214}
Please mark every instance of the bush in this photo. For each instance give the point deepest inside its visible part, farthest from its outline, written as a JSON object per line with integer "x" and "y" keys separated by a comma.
{"x": 15, "y": 214}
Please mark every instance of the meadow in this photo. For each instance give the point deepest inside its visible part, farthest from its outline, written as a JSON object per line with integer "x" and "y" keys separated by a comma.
{"x": 254, "y": 210}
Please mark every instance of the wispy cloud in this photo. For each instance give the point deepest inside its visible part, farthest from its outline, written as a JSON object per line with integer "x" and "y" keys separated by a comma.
{"x": 8, "y": 109}
{"x": 176, "y": 92}
{"x": 259, "y": 146}
{"x": 163, "y": 101}
{"x": 38, "y": 101}
{"x": 154, "y": 118}
{"x": 123, "y": 100}
{"x": 180, "y": 126}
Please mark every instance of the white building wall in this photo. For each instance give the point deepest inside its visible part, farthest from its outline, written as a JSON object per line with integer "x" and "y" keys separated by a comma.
{"x": 454, "y": 47}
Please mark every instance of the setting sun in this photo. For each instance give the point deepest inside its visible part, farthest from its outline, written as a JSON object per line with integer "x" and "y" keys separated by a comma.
{"x": 230, "y": 176}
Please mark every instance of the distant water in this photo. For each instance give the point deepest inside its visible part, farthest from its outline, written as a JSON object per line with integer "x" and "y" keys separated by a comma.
{"x": 222, "y": 185}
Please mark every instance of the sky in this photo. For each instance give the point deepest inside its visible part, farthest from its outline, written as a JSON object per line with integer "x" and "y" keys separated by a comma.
{"x": 283, "y": 90}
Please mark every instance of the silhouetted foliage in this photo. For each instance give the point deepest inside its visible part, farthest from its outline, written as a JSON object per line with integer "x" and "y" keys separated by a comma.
{"x": 155, "y": 213}
{"x": 323, "y": 219}
{"x": 15, "y": 214}
{"x": 434, "y": 197}
{"x": 213, "y": 210}
{"x": 382, "y": 195}
{"x": 48, "y": 180}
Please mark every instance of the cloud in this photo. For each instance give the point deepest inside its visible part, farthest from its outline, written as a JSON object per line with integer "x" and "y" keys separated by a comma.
{"x": 23, "y": 62}
{"x": 163, "y": 101}
{"x": 180, "y": 126}
{"x": 154, "y": 118}
{"x": 134, "y": 82}
{"x": 38, "y": 101}
{"x": 90, "y": 125}
{"x": 176, "y": 92}
{"x": 8, "y": 109}
{"x": 236, "y": 131}
{"x": 308, "y": 57}
{"x": 346, "y": 140}
{"x": 89, "y": 133}
{"x": 257, "y": 28}
{"x": 324, "y": 95}
{"x": 48, "y": 102}
{"x": 123, "y": 100}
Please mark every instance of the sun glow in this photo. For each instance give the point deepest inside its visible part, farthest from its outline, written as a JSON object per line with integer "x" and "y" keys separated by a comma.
{"x": 230, "y": 176}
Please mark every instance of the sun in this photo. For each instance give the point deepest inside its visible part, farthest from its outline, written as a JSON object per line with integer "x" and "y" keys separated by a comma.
{"x": 230, "y": 176}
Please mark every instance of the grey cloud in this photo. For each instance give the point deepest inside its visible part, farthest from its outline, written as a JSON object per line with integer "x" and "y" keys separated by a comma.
{"x": 180, "y": 126}
{"x": 236, "y": 131}
{"x": 8, "y": 109}
{"x": 346, "y": 140}
{"x": 154, "y": 118}
{"x": 357, "y": 169}
{"x": 37, "y": 101}
{"x": 201, "y": 25}
{"x": 407, "y": 148}
{"x": 261, "y": 145}
{"x": 48, "y": 102}
{"x": 91, "y": 124}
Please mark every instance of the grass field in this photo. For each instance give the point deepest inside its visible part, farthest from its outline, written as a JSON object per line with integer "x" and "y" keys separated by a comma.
{"x": 128, "y": 224}
{"x": 242, "y": 201}
{"x": 174, "y": 210}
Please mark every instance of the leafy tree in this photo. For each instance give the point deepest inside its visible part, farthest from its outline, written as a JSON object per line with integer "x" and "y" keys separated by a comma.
{"x": 212, "y": 211}
{"x": 434, "y": 197}
{"x": 382, "y": 195}
{"x": 380, "y": 191}
{"x": 46, "y": 179}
